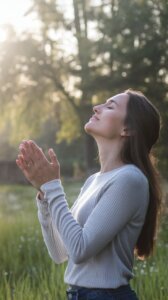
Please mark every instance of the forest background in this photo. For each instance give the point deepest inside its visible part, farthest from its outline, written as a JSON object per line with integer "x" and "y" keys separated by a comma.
{"x": 77, "y": 55}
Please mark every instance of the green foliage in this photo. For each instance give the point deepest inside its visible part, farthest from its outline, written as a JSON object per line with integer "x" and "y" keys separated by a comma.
{"x": 93, "y": 51}
{"x": 26, "y": 269}
{"x": 70, "y": 124}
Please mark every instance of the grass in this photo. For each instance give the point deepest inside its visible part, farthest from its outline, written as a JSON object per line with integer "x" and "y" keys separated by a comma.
{"x": 28, "y": 273}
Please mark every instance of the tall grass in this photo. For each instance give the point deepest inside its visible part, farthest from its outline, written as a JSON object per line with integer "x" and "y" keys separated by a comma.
{"x": 26, "y": 270}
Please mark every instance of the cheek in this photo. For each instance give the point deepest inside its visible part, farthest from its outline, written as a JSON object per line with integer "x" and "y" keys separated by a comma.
{"x": 113, "y": 125}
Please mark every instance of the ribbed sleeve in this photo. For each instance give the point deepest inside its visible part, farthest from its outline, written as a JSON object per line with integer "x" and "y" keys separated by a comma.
{"x": 52, "y": 239}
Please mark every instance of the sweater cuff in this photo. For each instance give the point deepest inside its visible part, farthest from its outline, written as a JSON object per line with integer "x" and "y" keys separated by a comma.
{"x": 42, "y": 205}
{"x": 52, "y": 190}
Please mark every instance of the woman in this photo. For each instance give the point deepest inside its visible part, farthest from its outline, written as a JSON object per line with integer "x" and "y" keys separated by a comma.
{"x": 117, "y": 209}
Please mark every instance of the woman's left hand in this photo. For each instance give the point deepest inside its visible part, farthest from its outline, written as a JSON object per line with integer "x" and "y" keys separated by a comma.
{"x": 35, "y": 166}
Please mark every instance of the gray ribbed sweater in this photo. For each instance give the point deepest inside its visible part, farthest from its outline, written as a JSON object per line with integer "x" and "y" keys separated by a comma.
{"x": 98, "y": 234}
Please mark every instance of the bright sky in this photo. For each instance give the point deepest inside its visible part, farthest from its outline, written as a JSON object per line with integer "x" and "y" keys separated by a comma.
{"x": 12, "y": 11}
{"x": 15, "y": 12}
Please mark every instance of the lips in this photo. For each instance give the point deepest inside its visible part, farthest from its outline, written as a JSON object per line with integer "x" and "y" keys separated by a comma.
{"x": 94, "y": 118}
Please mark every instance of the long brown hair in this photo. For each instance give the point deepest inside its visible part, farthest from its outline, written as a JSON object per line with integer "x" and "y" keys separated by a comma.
{"x": 143, "y": 121}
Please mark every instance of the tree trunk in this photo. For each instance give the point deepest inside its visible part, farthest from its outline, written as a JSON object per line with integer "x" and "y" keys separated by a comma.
{"x": 85, "y": 109}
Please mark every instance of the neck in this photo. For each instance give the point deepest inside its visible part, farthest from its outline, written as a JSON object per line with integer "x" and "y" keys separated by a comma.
{"x": 109, "y": 155}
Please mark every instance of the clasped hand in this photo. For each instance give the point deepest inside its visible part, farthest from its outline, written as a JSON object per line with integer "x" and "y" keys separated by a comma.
{"x": 35, "y": 166}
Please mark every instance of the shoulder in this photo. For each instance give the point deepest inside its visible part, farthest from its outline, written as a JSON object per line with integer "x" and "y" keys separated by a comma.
{"x": 131, "y": 173}
{"x": 128, "y": 178}
{"x": 130, "y": 187}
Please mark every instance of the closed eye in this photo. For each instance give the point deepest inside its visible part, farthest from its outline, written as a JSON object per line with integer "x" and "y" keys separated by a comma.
{"x": 110, "y": 107}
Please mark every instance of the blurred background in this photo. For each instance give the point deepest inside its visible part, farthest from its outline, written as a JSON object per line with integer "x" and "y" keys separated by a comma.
{"x": 60, "y": 57}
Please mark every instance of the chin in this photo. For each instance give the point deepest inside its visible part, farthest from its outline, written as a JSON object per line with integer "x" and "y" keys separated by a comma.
{"x": 88, "y": 128}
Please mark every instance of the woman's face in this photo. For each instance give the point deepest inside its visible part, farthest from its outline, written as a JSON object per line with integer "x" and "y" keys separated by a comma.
{"x": 108, "y": 118}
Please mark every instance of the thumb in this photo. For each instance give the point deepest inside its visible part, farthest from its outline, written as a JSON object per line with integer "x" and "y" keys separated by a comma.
{"x": 53, "y": 157}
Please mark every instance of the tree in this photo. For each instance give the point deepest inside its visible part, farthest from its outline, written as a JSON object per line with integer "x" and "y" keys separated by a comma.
{"x": 133, "y": 44}
{"x": 113, "y": 45}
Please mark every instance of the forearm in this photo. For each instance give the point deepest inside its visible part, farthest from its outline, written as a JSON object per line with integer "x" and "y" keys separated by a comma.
{"x": 51, "y": 236}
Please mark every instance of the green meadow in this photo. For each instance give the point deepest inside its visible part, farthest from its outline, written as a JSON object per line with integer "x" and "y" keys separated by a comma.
{"x": 28, "y": 273}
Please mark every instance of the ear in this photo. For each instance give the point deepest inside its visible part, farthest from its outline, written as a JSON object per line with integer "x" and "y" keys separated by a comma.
{"x": 125, "y": 132}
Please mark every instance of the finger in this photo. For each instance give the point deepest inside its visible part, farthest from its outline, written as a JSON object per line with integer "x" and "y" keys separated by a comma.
{"x": 37, "y": 151}
{"x": 21, "y": 145}
{"x": 27, "y": 158}
{"x": 18, "y": 163}
{"x": 22, "y": 162}
{"x": 26, "y": 146}
{"x": 53, "y": 157}
{"x": 25, "y": 154}
{"x": 23, "y": 141}
{"x": 33, "y": 145}
{"x": 23, "y": 167}
{"x": 30, "y": 142}
{"x": 29, "y": 151}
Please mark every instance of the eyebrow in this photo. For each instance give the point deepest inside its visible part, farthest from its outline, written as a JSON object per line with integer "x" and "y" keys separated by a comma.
{"x": 111, "y": 101}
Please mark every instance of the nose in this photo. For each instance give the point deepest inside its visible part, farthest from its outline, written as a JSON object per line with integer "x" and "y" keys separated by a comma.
{"x": 96, "y": 108}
